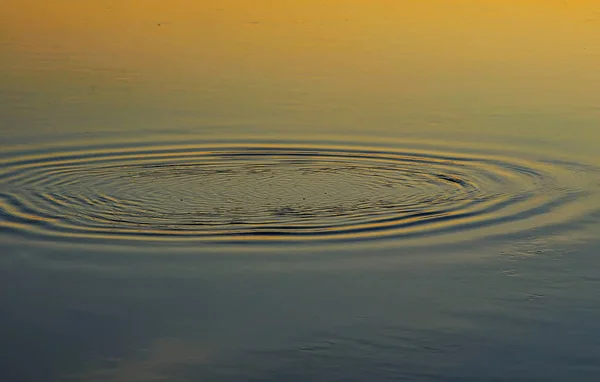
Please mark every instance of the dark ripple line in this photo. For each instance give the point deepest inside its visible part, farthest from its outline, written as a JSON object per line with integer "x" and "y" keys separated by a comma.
{"x": 266, "y": 152}
{"x": 289, "y": 232}
{"x": 234, "y": 152}
{"x": 315, "y": 230}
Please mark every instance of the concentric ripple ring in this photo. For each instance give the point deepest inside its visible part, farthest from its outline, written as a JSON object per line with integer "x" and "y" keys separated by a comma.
{"x": 265, "y": 192}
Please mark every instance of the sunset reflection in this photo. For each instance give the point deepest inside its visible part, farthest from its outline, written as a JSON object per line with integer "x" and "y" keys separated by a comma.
{"x": 299, "y": 190}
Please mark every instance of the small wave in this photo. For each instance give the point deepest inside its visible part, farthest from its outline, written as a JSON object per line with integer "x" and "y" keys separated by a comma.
{"x": 241, "y": 193}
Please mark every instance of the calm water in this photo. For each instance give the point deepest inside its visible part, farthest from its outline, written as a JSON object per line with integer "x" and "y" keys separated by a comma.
{"x": 299, "y": 191}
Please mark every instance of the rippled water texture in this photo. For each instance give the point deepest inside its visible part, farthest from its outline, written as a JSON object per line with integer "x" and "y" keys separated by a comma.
{"x": 256, "y": 192}
{"x": 293, "y": 191}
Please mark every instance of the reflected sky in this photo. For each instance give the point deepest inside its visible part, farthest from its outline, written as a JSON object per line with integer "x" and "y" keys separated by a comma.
{"x": 499, "y": 69}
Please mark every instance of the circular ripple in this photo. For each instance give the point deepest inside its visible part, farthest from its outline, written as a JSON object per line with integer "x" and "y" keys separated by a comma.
{"x": 241, "y": 193}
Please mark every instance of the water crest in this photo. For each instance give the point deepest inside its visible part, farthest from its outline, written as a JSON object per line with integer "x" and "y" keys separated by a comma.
{"x": 251, "y": 192}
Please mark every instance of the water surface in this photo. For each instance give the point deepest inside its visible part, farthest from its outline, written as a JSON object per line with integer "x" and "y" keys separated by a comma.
{"x": 299, "y": 191}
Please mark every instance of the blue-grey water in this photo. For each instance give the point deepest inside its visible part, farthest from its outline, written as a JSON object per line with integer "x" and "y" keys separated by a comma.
{"x": 299, "y": 191}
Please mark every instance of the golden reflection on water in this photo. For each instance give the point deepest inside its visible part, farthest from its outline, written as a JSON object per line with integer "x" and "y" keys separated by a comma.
{"x": 387, "y": 66}
{"x": 525, "y": 34}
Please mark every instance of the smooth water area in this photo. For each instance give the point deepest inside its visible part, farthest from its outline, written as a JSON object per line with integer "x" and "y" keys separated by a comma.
{"x": 299, "y": 191}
